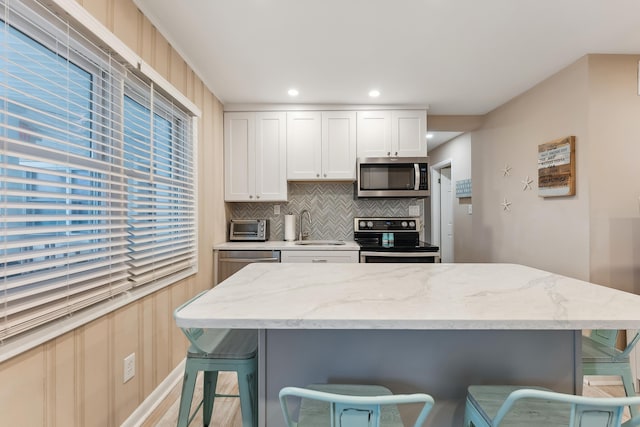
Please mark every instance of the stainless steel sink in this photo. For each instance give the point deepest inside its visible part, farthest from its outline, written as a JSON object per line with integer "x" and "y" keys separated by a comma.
{"x": 320, "y": 242}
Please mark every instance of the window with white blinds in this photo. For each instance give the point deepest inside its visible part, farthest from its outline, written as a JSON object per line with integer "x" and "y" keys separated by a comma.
{"x": 158, "y": 163}
{"x": 97, "y": 191}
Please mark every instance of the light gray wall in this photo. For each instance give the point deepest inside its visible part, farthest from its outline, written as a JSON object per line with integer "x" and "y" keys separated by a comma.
{"x": 614, "y": 171}
{"x": 547, "y": 233}
{"x": 594, "y": 235}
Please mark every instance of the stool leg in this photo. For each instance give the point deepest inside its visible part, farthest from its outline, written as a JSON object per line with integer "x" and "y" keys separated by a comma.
{"x": 209, "y": 395}
{"x": 245, "y": 383}
{"x": 188, "y": 384}
{"x": 627, "y": 382}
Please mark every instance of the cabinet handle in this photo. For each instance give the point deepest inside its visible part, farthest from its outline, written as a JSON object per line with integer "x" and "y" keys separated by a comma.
{"x": 388, "y": 153}
{"x": 317, "y": 175}
{"x": 318, "y": 260}
{"x": 325, "y": 175}
{"x": 396, "y": 154}
{"x": 257, "y": 197}
{"x": 250, "y": 196}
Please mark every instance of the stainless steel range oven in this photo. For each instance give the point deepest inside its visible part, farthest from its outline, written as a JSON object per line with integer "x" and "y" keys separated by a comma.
{"x": 392, "y": 240}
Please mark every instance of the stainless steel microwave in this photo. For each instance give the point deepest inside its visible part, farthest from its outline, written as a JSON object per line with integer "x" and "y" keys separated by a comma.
{"x": 393, "y": 177}
{"x": 249, "y": 230}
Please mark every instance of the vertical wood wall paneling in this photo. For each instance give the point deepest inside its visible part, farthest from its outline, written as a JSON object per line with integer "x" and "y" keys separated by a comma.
{"x": 125, "y": 22}
{"x": 78, "y": 346}
{"x": 22, "y": 393}
{"x": 125, "y": 328}
{"x": 179, "y": 294}
{"x": 95, "y": 376}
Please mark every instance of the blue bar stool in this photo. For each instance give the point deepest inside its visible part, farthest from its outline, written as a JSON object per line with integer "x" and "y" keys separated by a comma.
{"x": 348, "y": 405}
{"x": 513, "y": 406}
{"x": 601, "y": 357}
{"x": 212, "y": 351}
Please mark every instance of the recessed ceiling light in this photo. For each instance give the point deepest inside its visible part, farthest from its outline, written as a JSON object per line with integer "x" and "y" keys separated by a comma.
{"x": 374, "y": 93}
{"x": 429, "y": 136}
{"x": 293, "y": 92}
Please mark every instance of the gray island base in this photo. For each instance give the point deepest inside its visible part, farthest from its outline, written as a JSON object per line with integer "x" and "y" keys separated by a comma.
{"x": 431, "y": 328}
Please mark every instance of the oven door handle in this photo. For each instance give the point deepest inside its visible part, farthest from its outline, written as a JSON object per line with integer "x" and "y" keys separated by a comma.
{"x": 401, "y": 254}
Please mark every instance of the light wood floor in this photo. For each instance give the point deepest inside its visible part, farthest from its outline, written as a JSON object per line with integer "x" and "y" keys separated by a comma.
{"x": 226, "y": 411}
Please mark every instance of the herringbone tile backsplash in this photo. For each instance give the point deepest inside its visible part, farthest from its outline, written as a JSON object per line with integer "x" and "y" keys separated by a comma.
{"x": 332, "y": 207}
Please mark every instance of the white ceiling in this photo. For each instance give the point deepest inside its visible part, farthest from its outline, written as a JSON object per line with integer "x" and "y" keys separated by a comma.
{"x": 462, "y": 57}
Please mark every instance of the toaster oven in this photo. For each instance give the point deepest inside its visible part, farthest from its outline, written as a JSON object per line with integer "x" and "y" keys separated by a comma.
{"x": 249, "y": 230}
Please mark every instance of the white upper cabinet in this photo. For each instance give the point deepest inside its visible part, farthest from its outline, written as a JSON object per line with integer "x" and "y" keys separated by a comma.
{"x": 339, "y": 145}
{"x": 398, "y": 133}
{"x": 255, "y": 157}
{"x": 304, "y": 151}
{"x": 321, "y": 145}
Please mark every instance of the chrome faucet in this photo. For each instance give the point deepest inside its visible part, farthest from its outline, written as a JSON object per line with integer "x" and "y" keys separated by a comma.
{"x": 304, "y": 235}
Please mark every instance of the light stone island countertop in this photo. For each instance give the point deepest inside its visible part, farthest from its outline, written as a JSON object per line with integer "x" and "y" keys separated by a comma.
{"x": 409, "y": 296}
{"x": 280, "y": 245}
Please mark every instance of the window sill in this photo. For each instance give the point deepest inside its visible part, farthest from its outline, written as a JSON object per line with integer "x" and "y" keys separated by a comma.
{"x": 17, "y": 345}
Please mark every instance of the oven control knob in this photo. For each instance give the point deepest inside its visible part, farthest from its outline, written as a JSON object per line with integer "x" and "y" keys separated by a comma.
{"x": 412, "y": 224}
{"x": 370, "y": 224}
{"x": 404, "y": 224}
{"x": 362, "y": 224}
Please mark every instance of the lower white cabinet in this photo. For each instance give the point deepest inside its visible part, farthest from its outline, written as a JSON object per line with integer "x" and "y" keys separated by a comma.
{"x": 320, "y": 256}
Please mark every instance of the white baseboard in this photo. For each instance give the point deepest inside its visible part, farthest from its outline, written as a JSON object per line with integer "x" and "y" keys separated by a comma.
{"x": 597, "y": 380}
{"x": 152, "y": 401}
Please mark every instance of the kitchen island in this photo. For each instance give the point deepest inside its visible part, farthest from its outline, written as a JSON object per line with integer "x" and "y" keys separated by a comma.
{"x": 434, "y": 328}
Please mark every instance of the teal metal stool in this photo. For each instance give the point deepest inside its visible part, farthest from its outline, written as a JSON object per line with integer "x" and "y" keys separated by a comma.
{"x": 347, "y": 405}
{"x": 212, "y": 351}
{"x": 513, "y": 406}
{"x": 601, "y": 357}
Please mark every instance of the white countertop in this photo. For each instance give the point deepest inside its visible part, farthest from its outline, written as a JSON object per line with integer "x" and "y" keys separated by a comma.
{"x": 279, "y": 245}
{"x": 409, "y": 296}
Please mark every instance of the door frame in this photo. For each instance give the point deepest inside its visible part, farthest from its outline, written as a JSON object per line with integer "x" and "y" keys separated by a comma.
{"x": 436, "y": 221}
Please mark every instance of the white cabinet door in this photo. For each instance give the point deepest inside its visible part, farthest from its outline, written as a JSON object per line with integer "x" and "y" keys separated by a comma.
{"x": 271, "y": 156}
{"x": 239, "y": 156}
{"x": 374, "y": 133}
{"x": 304, "y": 154}
{"x": 254, "y": 157}
{"x": 319, "y": 256}
{"x": 339, "y": 145}
{"x": 398, "y": 133}
{"x": 408, "y": 133}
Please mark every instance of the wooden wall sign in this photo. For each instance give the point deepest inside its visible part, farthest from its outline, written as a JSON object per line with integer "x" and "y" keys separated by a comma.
{"x": 557, "y": 168}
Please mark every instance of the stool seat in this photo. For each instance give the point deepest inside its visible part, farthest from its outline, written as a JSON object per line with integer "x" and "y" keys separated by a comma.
{"x": 212, "y": 351}
{"x": 593, "y": 352}
{"x": 226, "y": 344}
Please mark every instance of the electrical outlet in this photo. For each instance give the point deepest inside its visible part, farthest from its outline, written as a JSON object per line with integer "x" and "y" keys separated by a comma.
{"x": 276, "y": 209}
{"x": 414, "y": 210}
{"x": 470, "y": 210}
{"x": 129, "y": 367}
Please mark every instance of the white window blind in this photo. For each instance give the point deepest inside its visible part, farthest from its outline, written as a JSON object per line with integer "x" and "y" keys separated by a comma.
{"x": 159, "y": 165}
{"x": 92, "y": 200}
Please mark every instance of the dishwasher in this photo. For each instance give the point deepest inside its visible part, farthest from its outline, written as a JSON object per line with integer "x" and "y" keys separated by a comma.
{"x": 229, "y": 262}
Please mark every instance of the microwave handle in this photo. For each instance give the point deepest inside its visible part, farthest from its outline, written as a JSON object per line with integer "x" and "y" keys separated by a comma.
{"x": 416, "y": 167}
